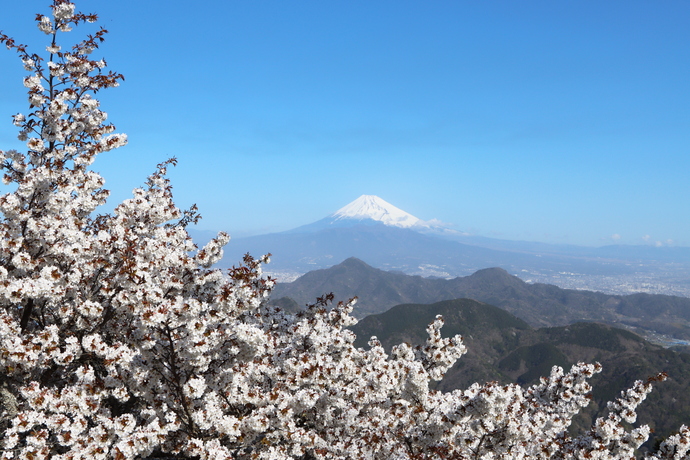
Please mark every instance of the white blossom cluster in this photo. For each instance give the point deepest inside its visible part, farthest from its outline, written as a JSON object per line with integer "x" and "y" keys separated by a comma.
{"x": 119, "y": 341}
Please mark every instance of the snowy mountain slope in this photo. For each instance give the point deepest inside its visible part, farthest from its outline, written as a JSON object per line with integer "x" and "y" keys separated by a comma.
{"x": 375, "y": 208}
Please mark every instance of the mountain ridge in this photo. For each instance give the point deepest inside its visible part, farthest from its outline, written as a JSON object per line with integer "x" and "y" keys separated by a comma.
{"x": 539, "y": 304}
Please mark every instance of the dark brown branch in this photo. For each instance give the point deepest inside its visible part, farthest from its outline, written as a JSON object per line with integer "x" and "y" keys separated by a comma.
{"x": 26, "y": 315}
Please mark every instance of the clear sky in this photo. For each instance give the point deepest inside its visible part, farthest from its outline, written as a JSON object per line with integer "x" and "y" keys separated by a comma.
{"x": 560, "y": 121}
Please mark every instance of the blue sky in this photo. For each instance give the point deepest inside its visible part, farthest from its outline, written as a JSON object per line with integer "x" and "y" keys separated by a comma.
{"x": 557, "y": 121}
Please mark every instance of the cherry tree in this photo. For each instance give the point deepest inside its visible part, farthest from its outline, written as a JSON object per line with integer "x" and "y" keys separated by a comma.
{"x": 119, "y": 340}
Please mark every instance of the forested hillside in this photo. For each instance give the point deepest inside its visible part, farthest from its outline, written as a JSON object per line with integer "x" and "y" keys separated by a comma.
{"x": 505, "y": 348}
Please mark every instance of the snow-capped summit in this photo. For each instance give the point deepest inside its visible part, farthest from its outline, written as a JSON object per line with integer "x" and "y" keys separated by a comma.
{"x": 375, "y": 208}
{"x": 370, "y": 209}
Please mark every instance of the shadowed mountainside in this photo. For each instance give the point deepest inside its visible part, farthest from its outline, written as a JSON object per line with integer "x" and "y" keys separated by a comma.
{"x": 504, "y": 348}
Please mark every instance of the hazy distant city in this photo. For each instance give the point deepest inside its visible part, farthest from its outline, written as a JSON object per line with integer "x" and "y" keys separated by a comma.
{"x": 671, "y": 283}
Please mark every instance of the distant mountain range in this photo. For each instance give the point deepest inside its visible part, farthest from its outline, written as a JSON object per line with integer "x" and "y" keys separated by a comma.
{"x": 504, "y": 348}
{"x": 538, "y": 304}
{"x": 389, "y": 238}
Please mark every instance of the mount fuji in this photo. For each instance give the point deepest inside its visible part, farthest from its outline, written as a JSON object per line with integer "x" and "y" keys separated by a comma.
{"x": 386, "y": 237}
{"x": 371, "y": 210}
{"x": 368, "y": 228}
{"x": 371, "y": 207}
